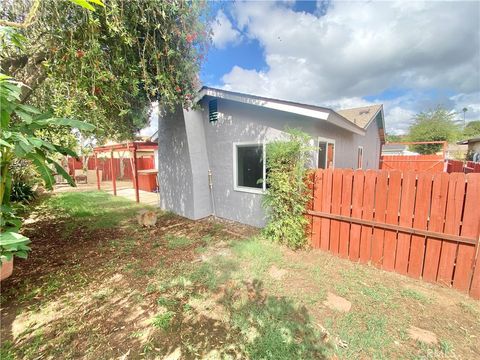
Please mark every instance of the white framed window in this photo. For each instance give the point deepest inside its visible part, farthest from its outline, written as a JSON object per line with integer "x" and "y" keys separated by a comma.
{"x": 249, "y": 172}
{"x": 360, "y": 157}
{"x": 326, "y": 153}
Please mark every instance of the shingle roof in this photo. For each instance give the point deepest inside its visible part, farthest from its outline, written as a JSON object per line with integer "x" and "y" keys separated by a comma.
{"x": 360, "y": 116}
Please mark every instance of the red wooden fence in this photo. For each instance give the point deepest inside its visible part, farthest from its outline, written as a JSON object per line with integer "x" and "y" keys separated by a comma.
{"x": 460, "y": 166}
{"x": 454, "y": 166}
{"x": 432, "y": 163}
{"x": 105, "y": 164}
{"x": 422, "y": 224}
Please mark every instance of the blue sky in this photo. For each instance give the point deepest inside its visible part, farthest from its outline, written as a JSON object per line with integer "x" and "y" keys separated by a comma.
{"x": 410, "y": 56}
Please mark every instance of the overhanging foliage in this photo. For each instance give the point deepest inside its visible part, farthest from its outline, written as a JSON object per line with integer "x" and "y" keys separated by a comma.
{"x": 107, "y": 66}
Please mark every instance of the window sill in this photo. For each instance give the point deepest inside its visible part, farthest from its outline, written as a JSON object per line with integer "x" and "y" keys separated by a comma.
{"x": 249, "y": 190}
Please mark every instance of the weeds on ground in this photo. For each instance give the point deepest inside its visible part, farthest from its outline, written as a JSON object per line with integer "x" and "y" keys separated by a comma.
{"x": 413, "y": 294}
{"x": 162, "y": 321}
{"x": 259, "y": 254}
{"x": 167, "y": 302}
{"x": 176, "y": 242}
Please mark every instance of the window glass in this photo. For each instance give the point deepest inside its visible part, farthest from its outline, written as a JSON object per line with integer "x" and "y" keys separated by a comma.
{"x": 250, "y": 166}
{"x": 322, "y": 158}
{"x": 326, "y": 154}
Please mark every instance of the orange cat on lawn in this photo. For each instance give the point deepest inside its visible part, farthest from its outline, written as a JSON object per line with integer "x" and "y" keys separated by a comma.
{"x": 147, "y": 218}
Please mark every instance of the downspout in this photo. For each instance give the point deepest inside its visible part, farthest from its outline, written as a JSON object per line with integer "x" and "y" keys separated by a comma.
{"x": 212, "y": 198}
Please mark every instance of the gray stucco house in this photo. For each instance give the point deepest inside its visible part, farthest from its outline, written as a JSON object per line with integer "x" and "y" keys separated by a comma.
{"x": 209, "y": 159}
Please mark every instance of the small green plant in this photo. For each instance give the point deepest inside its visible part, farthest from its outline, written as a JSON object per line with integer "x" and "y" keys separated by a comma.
{"x": 162, "y": 321}
{"x": 216, "y": 228}
{"x": 167, "y": 302}
{"x": 13, "y": 244}
{"x": 410, "y": 293}
{"x": 287, "y": 190}
{"x": 445, "y": 347}
{"x": 136, "y": 334}
{"x": 22, "y": 192}
{"x": 175, "y": 242}
{"x": 102, "y": 294}
{"x": 151, "y": 288}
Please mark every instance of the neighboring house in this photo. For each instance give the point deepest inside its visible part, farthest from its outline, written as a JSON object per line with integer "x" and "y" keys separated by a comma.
{"x": 396, "y": 149}
{"x": 210, "y": 159}
{"x": 473, "y": 147}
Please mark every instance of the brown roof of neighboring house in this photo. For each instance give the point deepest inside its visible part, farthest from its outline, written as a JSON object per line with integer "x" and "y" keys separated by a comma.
{"x": 360, "y": 116}
{"x": 469, "y": 141}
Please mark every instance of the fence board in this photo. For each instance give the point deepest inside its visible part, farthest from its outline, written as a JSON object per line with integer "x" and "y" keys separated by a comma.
{"x": 326, "y": 207}
{"x": 393, "y": 206}
{"x": 317, "y": 205}
{"x": 422, "y": 209}
{"x": 357, "y": 204}
{"x": 406, "y": 218}
{"x": 336, "y": 209}
{"x": 433, "y": 248}
{"x": 379, "y": 216}
{"x": 368, "y": 206}
{"x": 421, "y": 224}
{"x": 430, "y": 163}
{"x": 346, "y": 210}
{"x": 470, "y": 225}
{"x": 455, "y": 199}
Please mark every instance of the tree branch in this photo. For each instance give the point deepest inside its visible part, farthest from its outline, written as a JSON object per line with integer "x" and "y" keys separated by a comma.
{"x": 29, "y": 20}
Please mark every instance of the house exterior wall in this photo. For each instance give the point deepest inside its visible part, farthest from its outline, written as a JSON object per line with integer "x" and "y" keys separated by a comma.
{"x": 210, "y": 146}
{"x": 474, "y": 146}
{"x": 174, "y": 168}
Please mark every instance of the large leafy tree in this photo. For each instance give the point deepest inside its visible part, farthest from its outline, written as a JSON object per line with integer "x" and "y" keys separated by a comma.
{"x": 433, "y": 125}
{"x": 105, "y": 66}
{"x": 472, "y": 129}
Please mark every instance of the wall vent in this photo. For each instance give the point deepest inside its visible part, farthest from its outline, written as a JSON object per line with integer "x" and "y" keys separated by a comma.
{"x": 212, "y": 110}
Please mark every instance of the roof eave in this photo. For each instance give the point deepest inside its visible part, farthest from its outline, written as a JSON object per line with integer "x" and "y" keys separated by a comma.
{"x": 323, "y": 114}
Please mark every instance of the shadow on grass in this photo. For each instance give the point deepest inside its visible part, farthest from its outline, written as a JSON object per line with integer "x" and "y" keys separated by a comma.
{"x": 239, "y": 321}
{"x": 204, "y": 314}
{"x": 273, "y": 327}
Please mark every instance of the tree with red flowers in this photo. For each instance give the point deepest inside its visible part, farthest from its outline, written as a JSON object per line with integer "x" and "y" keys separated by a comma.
{"x": 105, "y": 66}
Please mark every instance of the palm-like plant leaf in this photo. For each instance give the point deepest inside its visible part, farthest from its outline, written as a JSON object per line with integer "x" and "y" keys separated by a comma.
{"x": 61, "y": 171}
{"x": 42, "y": 168}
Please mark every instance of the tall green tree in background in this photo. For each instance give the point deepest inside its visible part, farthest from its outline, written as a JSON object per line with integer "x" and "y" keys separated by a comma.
{"x": 433, "y": 125}
{"x": 105, "y": 66}
{"x": 472, "y": 129}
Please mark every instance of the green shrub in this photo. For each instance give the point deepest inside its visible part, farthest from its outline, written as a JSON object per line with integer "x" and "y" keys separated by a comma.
{"x": 22, "y": 192}
{"x": 287, "y": 189}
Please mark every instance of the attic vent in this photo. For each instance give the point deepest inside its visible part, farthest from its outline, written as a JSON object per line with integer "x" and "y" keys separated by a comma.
{"x": 212, "y": 111}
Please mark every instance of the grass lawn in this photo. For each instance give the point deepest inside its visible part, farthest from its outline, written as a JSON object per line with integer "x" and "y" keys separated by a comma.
{"x": 97, "y": 286}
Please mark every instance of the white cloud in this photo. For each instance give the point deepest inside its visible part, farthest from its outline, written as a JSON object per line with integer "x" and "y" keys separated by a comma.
{"x": 153, "y": 122}
{"x": 223, "y": 31}
{"x": 469, "y": 101}
{"x": 360, "y": 49}
{"x": 398, "y": 120}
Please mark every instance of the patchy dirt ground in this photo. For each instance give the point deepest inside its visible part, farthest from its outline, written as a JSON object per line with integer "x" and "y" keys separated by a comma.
{"x": 97, "y": 286}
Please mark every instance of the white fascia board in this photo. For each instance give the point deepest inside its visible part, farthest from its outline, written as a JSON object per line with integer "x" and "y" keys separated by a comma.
{"x": 281, "y": 106}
